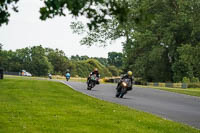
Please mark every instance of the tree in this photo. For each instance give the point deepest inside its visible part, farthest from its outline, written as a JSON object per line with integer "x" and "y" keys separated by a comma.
{"x": 5, "y": 5}
{"x": 1, "y": 45}
{"x": 187, "y": 65}
{"x": 103, "y": 61}
{"x": 151, "y": 51}
{"x": 39, "y": 65}
{"x": 34, "y": 60}
{"x": 79, "y": 58}
{"x": 82, "y": 68}
{"x": 97, "y": 11}
{"x": 102, "y": 35}
{"x": 9, "y": 61}
{"x": 153, "y": 31}
{"x": 115, "y": 71}
{"x": 85, "y": 57}
{"x": 115, "y": 59}
{"x": 39, "y": 61}
{"x": 101, "y": 68}
{"x": 59, "y": 61}
{"x": 75, "y": 58}
{"x": 24, "y": 58}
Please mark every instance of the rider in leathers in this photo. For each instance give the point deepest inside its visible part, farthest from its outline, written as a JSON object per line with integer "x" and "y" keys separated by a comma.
{"x": 92, "y": 73}
{"x": 129, "y": 75}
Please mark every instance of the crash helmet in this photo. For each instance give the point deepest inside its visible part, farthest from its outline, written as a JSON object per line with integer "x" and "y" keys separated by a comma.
{"x": 95, "y": 70}
{"x": 130, "y": 73}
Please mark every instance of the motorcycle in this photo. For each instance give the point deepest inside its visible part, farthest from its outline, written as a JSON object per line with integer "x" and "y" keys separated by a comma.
{"x": 92, "y": 82}
{"x": 123, "y": 87}
{"x": 67, "y": 76}
{"x": 50, "y": 76}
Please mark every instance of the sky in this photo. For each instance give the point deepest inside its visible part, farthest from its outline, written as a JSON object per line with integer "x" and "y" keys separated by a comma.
{"x": 25, "y": 29}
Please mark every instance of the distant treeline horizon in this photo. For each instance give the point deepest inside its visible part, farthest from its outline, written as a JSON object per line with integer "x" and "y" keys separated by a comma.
{"x": 40, "y": 61}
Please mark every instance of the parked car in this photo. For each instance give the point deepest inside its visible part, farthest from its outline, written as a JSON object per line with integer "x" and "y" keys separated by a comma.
{"x": 28, "y": 74}
{"x": 25, "y": 73}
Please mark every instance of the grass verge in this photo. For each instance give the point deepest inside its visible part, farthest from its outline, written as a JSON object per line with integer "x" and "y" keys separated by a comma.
{"x": 188, "y": 91}
{"x": 46, "y": 78}
{"x": 39, "y": 106}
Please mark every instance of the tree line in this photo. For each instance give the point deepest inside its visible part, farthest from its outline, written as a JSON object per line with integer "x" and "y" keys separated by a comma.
{"x": 162, "y": 37}
{"x": 40, "y": 61}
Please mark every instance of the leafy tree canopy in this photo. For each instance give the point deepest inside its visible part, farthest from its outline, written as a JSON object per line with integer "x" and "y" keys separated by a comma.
{"x": 115, "y": 59}
{"x": 154, "y": 50}
{"x": 97, "y": 11}
{"x": 5, "y": 5}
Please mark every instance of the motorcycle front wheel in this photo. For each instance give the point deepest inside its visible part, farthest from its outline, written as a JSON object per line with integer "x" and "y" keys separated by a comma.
{"x": 89, "y": 87}
{"x": 123, "y": 92}
{"x": 117, "y": 94}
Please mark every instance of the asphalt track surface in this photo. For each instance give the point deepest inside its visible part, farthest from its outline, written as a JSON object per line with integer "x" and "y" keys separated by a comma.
{"x": 173, "y": 106}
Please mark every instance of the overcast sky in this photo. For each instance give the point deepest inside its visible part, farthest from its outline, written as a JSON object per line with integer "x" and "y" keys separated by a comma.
{"x": 26, "y": 29}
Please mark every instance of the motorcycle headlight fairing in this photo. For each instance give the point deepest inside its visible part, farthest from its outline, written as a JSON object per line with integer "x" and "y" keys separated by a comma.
{"x": 124, "y": 84}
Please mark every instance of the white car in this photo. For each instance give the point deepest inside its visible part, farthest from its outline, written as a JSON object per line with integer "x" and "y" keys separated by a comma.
{"x": 25, "y": 73}
{"x": 28, "y": 74}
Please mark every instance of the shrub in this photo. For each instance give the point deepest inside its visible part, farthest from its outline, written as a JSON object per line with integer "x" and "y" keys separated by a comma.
{"x": 140, "y": 81}
{"x": 186, "y": 80}
{"x": 194, "y": 85}
{"x": 83, "y": 68}
{"x": 113, "y": 70}
{"x": 195, "y": 80}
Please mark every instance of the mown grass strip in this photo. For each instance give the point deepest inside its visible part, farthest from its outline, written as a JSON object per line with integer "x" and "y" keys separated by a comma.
{"x": 188, "y": 91}
{"x": 39, "y": 106}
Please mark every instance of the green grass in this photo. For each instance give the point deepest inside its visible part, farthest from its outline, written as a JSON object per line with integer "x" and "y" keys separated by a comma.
{"x": 188, "y": 91}
{"x": 25, "y": 77}
{"x": 39, "y": 106}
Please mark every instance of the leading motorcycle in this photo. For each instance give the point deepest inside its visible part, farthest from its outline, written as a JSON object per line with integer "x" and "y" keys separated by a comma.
{"x": 123, "y": 87}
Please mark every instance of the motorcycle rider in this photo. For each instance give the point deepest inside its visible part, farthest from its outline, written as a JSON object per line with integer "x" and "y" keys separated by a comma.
{"x": 129, "y": 75}
{"x": 67, "y": 75}
{"x": 95, "y": 72}
{"x": 49, "y": 75}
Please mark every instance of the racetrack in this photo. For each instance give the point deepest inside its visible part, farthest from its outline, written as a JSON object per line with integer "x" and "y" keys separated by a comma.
{"x": 173, "y": 106}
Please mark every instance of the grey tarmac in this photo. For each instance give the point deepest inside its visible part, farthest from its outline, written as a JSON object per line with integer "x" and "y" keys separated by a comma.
{"x": 173, "y": 106}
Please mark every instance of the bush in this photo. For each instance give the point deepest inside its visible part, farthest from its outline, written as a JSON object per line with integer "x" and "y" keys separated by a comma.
{"x": 186, "y": 80}
{"x": 83, "y": 68}
{"x": 114, "y": 70}
{"x": 139, "y": 81}
{"x": 195, "y": 80}
{"x": 194, "y": 85}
